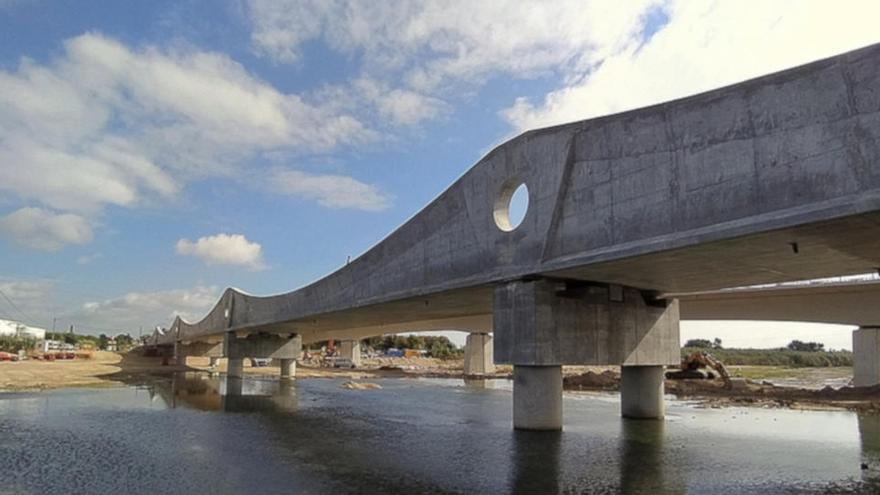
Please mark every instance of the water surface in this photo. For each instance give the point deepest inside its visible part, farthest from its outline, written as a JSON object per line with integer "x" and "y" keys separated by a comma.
{"x": 197, "y": 434}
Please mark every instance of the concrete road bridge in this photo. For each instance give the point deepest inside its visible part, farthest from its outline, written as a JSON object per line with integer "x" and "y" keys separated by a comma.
{"x": 770, "y": 180}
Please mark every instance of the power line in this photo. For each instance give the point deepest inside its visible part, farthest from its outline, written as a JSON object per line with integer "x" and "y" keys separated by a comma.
{"x": 27, "y": 317}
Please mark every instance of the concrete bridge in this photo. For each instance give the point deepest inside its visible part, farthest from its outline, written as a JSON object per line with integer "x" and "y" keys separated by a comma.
{"x": 770, "y": 180}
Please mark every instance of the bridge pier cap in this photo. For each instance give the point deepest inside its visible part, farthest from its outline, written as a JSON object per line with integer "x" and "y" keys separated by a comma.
{"x": 550, "y": 322}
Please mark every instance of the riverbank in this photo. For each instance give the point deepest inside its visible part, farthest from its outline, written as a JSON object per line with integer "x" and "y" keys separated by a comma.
{"x": 754, "y": 392}
{"x": 753, "y": 386}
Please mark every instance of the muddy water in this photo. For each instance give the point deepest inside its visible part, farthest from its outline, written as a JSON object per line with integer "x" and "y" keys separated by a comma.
{"x": 196, "y": 434}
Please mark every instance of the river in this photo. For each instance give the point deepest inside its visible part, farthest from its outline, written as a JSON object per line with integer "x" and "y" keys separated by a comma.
{"x": 199, "y": 434}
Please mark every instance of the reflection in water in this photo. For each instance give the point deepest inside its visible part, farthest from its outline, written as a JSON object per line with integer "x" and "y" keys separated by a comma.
{"x": 411, "y": 436}
{"x": 480, "y": 383}
{"x": 536, "y": 461}
{"x": 869, "y": 432}
{"x": 223, "y": 393}
{"x": 642, "y": 458}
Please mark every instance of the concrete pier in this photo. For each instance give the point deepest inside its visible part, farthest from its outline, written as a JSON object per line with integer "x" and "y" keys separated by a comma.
{"x": 478, "y": 355}
{"x": 288, "y": 368}
{"x": 351, "y": 349}
{"x": 543, "y": 324}
{"x": 866, "y": 356}
{"x": 537, "y": 397}
{"x": 641, "y": 392}
{"x": 235, "y": 367}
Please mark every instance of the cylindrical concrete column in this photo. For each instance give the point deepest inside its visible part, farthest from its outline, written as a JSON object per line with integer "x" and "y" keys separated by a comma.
{"x": 641, "y": 392}
{"x": 537, "y": 397}
{"x": 351, "y": 349}
{"x": 235, "y": 367}
{"x": 866, "y": 356}
{"x": 478, "y": 358}
{"x": 288, "y": 368}
{"x": 234, "y": 386}
{"x": 179, "y": 356}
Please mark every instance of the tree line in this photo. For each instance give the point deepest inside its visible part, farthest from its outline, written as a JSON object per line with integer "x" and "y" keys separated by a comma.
{"x": 797, "y": 354}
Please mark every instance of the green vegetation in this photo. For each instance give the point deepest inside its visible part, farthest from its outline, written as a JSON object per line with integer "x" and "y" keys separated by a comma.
{"x": 778, "y": 357}
{"x": 797, "y": 345}
{"x": 11, "y": 343}
{"x": 438, "y": 347}
{"x": 704, "y": 343}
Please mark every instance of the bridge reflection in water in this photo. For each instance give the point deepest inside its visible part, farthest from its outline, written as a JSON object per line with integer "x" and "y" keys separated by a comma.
{"x": 414, "y": 436}
{"x": 445, "y": 434}
{"x": 215, "y": 392}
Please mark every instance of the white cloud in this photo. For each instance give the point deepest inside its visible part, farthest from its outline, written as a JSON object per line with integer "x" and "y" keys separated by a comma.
{"x": 435, "y": 42}
{"x": 703, "y": 46}
{"x": 104, "y": 124}
{"x": 400, "y": 106}
{"x": 415, "y": 55}
{"x": 146, "y": 309}
{"x": 30, "y": 299}
{"x": 44, "y": 230}
{"x": 224, "y": 249}
{"x": 332, "y": 191}
{"x": 88, "y": 258}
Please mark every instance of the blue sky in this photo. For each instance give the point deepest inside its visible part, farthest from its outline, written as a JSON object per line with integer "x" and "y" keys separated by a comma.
{"x": 153, "y": 153}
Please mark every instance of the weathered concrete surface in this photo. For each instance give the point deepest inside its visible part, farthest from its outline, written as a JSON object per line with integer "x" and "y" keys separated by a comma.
{"x": 769, "y": 180}
{"x": 199, "y": 349}
{"x": 288, "y": 368}
{"x": 847, "y": 303}
{"x": 866, "y": 357}
{"x": 351, "y": 349}
{"x": 537, "y": 397}
{"x": 478, "y": 355}
{"x": 546, "y": 322}
{"x": 235, "y": 368}
{"x": 641, "y": 392}
{"x": 262, "y": 346}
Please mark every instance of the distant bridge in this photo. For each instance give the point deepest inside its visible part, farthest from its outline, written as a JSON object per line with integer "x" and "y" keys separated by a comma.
{"x": 770, "y": 180}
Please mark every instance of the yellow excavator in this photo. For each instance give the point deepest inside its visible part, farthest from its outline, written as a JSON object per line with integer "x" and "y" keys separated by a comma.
{"x": 691, "y": 364}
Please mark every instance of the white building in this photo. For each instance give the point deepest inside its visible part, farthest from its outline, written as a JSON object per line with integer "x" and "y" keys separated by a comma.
{"x": 17, "y": 329}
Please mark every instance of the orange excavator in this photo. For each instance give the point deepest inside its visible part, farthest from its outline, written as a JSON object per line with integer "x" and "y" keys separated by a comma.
{"x": 691, "y": 364}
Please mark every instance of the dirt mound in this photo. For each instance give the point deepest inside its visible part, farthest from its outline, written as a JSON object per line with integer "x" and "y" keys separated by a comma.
{"x": 744, "y": 392}
{"x": 591, "y": 380}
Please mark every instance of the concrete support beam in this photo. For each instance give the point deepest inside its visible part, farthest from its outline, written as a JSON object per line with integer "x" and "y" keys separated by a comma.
{"x": 545, "y": 322}
{"x": 641, "y": 392}
{"x": 351, "y": 349}
{"x": 288, "y": 368}
{"x": 235, "y": 367}
{"x": 269, "y": 346}
{"x": 537, "y": 397}
{"x": 184, "y": 350}
{"x": 478, "y": 355}
{"x": 866, "y": 356}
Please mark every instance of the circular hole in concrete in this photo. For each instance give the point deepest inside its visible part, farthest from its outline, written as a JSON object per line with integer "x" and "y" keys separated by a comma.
{"x": 511, "y": 206}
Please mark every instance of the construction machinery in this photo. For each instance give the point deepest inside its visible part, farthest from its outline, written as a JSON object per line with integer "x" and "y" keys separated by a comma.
{"x": 692, "y": 364}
